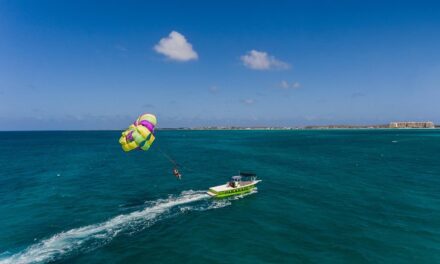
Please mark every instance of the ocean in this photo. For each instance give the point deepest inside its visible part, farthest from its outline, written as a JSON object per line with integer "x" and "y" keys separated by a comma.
{"x": 327, "y": 196}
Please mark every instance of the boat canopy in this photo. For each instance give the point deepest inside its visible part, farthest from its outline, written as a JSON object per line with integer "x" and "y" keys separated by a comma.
{"x": 248, "y": 174}
{"x": 236, "y": 178}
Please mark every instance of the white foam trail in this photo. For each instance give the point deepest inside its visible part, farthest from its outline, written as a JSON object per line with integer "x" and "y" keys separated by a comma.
{"x": 92, "y": 236}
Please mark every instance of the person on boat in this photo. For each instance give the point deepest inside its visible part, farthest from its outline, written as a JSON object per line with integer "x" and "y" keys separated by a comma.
{"x": 232, "y": 184}
{"x": 177, "y": 173}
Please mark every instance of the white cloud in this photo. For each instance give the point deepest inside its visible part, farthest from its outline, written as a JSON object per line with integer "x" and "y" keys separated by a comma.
{"x": 176, "y": 47}
{"x": 286, "y": 85}
{"x": 260, "y": 60}
{"x": 248, "y": 101}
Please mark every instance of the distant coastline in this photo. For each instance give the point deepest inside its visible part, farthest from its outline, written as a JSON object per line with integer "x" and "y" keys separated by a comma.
{"x": 392, "y": 125}
{"x": 323, "y": 127}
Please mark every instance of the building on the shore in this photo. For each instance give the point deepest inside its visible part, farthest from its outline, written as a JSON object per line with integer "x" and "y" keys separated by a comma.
{"x": 412, "y": 124}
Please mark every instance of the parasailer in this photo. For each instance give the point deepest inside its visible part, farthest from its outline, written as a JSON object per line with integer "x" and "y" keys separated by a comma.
{"x": 177, "y": 173}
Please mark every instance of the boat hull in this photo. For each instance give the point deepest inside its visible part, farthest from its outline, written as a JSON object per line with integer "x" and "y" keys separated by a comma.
{"x": 232, "y": 191}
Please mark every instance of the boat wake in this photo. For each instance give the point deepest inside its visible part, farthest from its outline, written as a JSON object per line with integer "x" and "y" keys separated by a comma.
{"x": 87, "y": 238}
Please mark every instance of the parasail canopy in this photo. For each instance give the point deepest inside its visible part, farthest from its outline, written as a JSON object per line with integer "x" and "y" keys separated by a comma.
{"x": 139, "y": 135}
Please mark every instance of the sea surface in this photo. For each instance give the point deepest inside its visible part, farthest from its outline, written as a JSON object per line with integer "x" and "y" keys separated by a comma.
{"x": 327, "y": 196}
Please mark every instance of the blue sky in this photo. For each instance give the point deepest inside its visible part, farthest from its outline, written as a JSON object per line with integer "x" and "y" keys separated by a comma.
{"x": 97, "y": 65}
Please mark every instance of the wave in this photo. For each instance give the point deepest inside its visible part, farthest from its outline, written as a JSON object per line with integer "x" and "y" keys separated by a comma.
{"x": 93, "y": 236}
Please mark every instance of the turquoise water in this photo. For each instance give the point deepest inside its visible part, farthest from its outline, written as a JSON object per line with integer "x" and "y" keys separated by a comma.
{"x": 337, "y": 196}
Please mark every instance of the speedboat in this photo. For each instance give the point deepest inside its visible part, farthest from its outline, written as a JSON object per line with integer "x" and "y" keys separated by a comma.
{"x": 243, "y": 183}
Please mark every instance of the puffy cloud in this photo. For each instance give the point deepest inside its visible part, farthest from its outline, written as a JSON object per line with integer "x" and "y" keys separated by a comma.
{"x": 176, "y": 47}
{"x": 286, "y": 85}
{"x": 260, "y": 60}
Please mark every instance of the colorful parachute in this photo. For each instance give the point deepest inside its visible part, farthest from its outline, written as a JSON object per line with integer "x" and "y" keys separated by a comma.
{"x": 139, "y": 135}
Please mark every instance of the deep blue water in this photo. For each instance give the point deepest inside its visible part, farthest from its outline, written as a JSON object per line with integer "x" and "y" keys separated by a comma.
{"x": 335, "y": 196}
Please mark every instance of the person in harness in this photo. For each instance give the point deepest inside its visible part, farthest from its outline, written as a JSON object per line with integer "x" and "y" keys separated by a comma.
{"x": 177, "y": 173}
